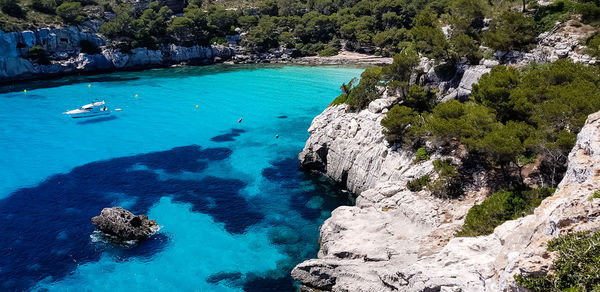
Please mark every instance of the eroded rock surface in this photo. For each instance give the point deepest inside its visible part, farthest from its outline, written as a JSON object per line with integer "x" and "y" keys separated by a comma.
{"x": 397, "y": 240}
{"x": 124, "y": 225}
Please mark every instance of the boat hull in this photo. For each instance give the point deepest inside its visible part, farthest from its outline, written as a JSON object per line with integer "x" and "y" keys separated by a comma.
{"x": 89, "y": 115}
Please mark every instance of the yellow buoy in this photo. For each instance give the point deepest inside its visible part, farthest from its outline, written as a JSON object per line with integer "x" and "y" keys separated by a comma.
{"x": 25, "y": 90}
{"x": 196, "y": 106}
{"x": 136, "y": 95}
{"x": 89, "y": 85}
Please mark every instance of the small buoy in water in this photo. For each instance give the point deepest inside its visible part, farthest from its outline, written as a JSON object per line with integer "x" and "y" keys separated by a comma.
{"x": 24, "y": 90}
{"x": 90, "y": 85}
{"x": 118, "y": 109}
{"x": 136, "y": 95}
{"x": 196, "y": 106}
{"x": 277, "y": 136}
{"x": 240, "y": 120}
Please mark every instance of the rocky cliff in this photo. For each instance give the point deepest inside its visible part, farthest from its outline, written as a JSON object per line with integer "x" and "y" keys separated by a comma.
{"x": 63, "y": 47}
{"x": 394, "y": 239}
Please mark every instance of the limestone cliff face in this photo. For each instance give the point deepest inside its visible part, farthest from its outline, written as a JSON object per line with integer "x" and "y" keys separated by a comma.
{"x": 62, "y": 44}
{"x": 394, "y": 239}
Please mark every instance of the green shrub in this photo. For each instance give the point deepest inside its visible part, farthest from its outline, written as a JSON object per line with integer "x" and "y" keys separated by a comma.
{"x": 418, "y": 184}
{"x": 38, "y": 55}
{"x": 596, "y": 195}
{"x": 70, "y": 12}
{"x": 449, "y": 183}
{"x": 12, "y": 8}
{"x": 500, "y": 207}
{"x": 45, "y": 6}
{"x": 367, "y": 90}
{"x": 511, "y": 31}
{"x": 89, "y": 47}
{"x": 593, "y": 46}
{"x": 577, "y": 267}
{"x": 422, "y": 155}
{"x": 328, "y": 52}
{"x": 397, "y": 122}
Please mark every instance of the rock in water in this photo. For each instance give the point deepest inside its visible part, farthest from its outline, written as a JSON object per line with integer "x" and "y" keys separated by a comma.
{"x": 124, "y": 225}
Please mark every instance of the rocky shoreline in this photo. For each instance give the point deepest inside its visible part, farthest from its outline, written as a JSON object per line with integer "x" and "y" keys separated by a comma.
{"x": 63, "y": 48}
{"x": 397, "y": 240}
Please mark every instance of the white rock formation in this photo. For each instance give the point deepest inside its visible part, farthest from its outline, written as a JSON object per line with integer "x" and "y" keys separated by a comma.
{"x": 393, "y": 239}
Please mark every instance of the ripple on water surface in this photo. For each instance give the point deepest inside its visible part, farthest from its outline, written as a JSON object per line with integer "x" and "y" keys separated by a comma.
{"x": 235, "y": 212}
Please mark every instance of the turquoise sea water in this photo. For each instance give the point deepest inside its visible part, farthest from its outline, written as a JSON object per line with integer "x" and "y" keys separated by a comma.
{"x": 235, "y": 213}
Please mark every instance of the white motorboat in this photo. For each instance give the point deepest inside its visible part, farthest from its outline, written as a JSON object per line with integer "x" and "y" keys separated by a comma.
{"x": 94, "y": 109}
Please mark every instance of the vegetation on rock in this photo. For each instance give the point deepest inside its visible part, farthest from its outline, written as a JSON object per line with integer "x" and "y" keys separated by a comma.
{"x": 576, "y": 269}
{"x": 500, "y": 207}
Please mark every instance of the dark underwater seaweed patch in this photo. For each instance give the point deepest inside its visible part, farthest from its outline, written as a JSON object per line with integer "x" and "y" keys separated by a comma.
{"x": 45, "y": 229}
{"x": 229, "y": 136}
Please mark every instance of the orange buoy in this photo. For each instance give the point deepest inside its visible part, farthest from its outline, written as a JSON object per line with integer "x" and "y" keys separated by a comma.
{"x": 240, "y": 120}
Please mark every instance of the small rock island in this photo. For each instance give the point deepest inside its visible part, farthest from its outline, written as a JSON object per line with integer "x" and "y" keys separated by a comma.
{"x": 122, "y": 225}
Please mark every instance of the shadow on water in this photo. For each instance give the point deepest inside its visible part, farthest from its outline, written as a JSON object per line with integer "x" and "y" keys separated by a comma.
{"x": 68, "y": 80}
{"x": 125, "y": 76}
{"x": 229, "y": 136}
{"x": 96, "y": 120}
{"x": 46, "y": 229}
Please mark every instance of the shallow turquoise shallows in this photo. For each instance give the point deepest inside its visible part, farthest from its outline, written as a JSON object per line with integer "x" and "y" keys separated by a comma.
{"x": 210, "y": 153}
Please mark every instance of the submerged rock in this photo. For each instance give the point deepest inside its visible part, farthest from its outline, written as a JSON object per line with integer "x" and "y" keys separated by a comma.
{"x": 124, "y": 225}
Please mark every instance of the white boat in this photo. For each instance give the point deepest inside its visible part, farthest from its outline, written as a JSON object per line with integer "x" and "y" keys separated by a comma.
{"x": 94, "y": 109}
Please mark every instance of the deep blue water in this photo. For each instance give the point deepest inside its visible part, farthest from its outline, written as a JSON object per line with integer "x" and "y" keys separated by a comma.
{"x": 235, "y": 212}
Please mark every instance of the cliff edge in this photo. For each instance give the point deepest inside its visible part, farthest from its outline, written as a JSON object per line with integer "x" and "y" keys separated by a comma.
{"x": 394, "y": 239}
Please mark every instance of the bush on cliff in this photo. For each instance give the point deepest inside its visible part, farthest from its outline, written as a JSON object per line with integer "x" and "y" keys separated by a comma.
{"x": 418, "y": 184}
{"x": 38, "y": 55}
{"x": 449, "y": 183}
{"x": 500, "y": 207}
{"x": 70, "y": 12}
{"x": 577, "y": 267}
{"x": 12, "y": 8}
{"x": 511, "y": 31}
{"x": 397, "y": 122}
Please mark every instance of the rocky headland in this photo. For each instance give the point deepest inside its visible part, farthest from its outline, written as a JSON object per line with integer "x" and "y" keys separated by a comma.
{"x": 397, "y": 240}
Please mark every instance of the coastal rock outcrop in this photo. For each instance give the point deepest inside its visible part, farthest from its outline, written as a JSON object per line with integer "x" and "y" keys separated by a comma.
{"x": 565, "y": 40}
{"x": 124, "y": 225}
{"x": 397, "y": 240}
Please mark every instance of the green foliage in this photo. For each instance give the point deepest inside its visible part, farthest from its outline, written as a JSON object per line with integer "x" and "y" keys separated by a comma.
{"x": 390, "y": 41}
{"x": 418, "y": 184}
{"x": 247, "y": 21}
{"x": 593, "y": 46}
{"x": 367, "y": 90}
{"x": 45, "y": 6}
{"x": 547, "y": 16}
{"x": 464, "y": 46}
{"x": 494, "y": 88}
{"x": 70, "y": 12}
{"x": 88, "y": 47}
{"x": 500, "y": 207}
{"x": 466, "y": 17}
{"x": 576, "y": 269}
{"x": 396, "y": 123}
{"x": 422, "y": 155}
{"x": 428, "y": 37}
{"x": 263, "y": 36}
{"x": 596, "y": 195}
{"x": 402, "y": 66}
{"x": 328, "y": 52}
{"x": 449, "y": 183}
{"x": 420, "y": 99}
{"x": 38, "y": 55}
{"x": 12, "y": 8}
{"x": 511, "y": 31}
